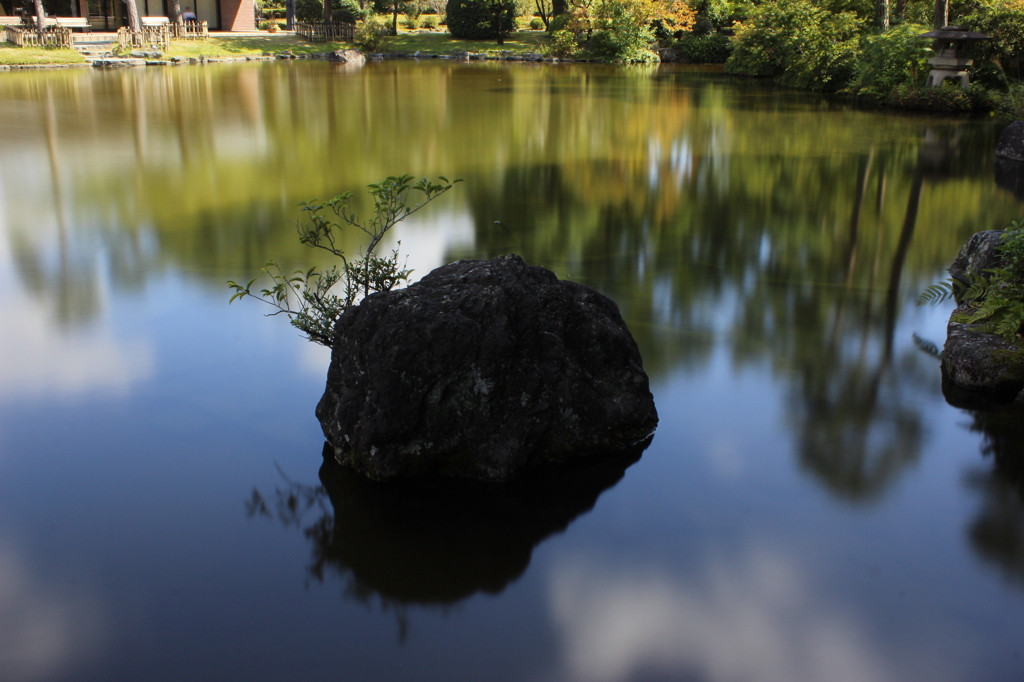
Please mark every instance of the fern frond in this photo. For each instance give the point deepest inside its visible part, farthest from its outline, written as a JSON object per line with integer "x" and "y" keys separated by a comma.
{"x": 938, "y": 292}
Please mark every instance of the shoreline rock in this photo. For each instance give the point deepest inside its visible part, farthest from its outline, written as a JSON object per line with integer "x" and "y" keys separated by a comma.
{"x": 976, "y": 362}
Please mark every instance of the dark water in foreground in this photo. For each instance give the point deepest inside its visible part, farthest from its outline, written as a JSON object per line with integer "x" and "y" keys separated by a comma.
{"x": 811, "y": 508}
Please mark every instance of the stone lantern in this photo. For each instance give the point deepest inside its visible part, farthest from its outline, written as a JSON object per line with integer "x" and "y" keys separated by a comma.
{"x": 950, "y": 60}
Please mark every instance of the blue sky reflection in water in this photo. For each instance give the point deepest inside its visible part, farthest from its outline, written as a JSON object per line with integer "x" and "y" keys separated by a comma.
{"x": 811, "y": 508}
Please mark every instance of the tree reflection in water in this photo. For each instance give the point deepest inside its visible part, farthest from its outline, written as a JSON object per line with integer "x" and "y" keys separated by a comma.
{"x": 997, "y": 532}
{"x": 434, "y": 542}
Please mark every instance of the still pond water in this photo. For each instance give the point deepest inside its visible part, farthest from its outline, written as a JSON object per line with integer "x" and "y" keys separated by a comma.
{"x": 811, "y": 507}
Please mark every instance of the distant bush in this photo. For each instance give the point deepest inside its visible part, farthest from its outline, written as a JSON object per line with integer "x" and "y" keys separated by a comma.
{"x": 706, "y": 49}
{"x": 896, "y": 57}
{"x": 430, "y": 21}
{"x": 536, "y": 23}
{"x": 371, "y": 34}
{"x": 562, "y": 44}
{"x": 1004, "y": 21}
{"x": 799, "y": 44}
{"x": 948, "y": 98}
{"x": 474, "y": 19}
{"x": 411, "y": 23}
{"x": 347, "y": 11}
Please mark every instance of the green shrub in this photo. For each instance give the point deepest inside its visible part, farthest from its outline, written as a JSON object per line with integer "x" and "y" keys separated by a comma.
{"x": 562, "y": 44}
{"x": 411, "y": 24}
{"x": 1004, "y": 21}
{"x": 371, "y": 34}
{"x": 558, "y": 23}
{"x": 799, "y": 44}
{"x": 536, "y": 23}
{"x": 995, "y": 298}
{"x": 341, "y": 10}
{"x": 412, "y": 10}
{"x": 896, "y": 57}
{"x": 704, "y": 49}
{"x": 948, "y": 98}
{"x": 475, "y": 19}
{"x": 430, "y": 21}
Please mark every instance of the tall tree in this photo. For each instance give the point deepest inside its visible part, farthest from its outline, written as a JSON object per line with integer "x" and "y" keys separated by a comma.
{"x": 941, "y": 14}
{"x": 882, "y": 15}
{"x": 40, "y": 24}
{"x": 133, "y": 17}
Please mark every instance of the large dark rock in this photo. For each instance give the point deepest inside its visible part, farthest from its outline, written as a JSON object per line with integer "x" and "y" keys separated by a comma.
{"x": 1011, "y": 142}
{"x": 979, "y": 254}
{"x": 483, "y": 369}
{"x": 978, "y": 361}
{"x": 979, "y": 367}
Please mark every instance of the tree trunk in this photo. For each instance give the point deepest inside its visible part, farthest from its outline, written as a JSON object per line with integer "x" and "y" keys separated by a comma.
{"x": 328, "y": 11}
{"x": 133, "y": 17}
{"x": 882, "y": 15}
{"x": 559, "y": 7}
{"x": 176, "y": 11}
{"x": 289, "y": 12}
{"x": 40, "y": 24}
{"x": 394, "y": 20}
{"x": 941, "y": 14}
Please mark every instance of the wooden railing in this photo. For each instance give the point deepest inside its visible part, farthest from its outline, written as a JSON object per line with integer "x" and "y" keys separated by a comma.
{"x": 53, "y": 36}
{"x": 319, "y": 32}
{"x": 149, "y": 36}
{"x": 190, "y": 30}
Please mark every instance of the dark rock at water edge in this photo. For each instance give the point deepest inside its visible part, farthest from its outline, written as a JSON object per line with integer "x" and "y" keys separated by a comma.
{"x": 979, "y": 361}
{"x": 979, "y": 367}
{"x": 483, "y": 369}
{"x": 1011, "y": 142}
{"x": 979, "y": 254}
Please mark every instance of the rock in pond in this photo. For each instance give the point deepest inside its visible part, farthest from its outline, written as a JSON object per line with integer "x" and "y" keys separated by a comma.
{"x": 1011, "y": 142}
{"x": 974, "y": 361}
{"x": 483, "y": 369}
{"x": 349, "y": 56}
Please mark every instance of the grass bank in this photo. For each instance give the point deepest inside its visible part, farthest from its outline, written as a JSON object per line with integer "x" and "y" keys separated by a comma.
{"x": 40, "y": 56}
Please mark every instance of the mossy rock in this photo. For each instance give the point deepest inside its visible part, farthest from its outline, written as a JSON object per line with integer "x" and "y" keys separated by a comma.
{"x": 980, "y": 361}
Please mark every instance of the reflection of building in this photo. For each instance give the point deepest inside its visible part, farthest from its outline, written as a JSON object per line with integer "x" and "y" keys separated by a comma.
{"x": 220, "y": 15}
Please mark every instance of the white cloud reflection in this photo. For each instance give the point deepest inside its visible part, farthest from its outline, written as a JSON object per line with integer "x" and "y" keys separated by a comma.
{"x": 40, "y": 359}
{"x": 45, "y": 630}
{"x": 749, "y": 620}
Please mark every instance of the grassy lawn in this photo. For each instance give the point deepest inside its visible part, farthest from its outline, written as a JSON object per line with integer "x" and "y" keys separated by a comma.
{"x": 436, "y": 42}
{"x": 17, "y": 56}
{"x": 242, "y": 46}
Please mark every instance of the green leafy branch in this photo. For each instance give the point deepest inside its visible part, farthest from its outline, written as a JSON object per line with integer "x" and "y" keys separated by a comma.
{"x": 313, "y": 299}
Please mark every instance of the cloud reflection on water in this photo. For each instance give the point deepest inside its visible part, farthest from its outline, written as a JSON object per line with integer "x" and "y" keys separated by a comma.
{"x": 755, "y": 618}
{"x": 45, "y": 630}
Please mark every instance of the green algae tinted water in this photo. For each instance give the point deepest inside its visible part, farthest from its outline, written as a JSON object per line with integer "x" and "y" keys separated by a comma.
{"x": 811, "y": 507}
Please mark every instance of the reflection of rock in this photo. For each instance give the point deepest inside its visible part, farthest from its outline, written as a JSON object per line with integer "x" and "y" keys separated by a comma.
{"x": 441, "y": 541}
{"x": 997, "y": 533}
{"x": 483, "y": 369}
{"x": 1010, "y": 176}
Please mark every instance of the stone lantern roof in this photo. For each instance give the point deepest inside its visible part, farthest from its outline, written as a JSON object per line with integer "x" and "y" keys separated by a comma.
{"x": 954, "y": 33}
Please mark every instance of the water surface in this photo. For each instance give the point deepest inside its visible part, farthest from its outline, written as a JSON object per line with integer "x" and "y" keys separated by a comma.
{"x": 811, "y": 507}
